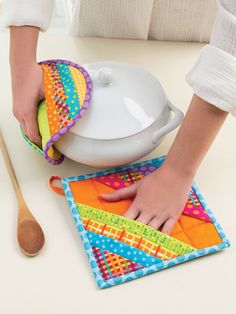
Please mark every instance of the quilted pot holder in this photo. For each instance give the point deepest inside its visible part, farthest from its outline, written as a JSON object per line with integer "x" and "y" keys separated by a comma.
{"x": 120, "y": 249}
{"x": 68, "y": 89}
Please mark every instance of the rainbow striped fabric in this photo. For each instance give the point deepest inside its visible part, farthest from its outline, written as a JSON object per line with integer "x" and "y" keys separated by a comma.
{"x": 68, "y": 89}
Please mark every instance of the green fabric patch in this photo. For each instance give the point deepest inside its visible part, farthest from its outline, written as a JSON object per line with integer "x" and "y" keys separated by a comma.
{"x": 43, "y": 123}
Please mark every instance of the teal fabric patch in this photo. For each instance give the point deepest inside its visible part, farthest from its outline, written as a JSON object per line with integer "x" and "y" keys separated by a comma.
{"x": 72, "y": 99}
{"x": 120, "y": 248}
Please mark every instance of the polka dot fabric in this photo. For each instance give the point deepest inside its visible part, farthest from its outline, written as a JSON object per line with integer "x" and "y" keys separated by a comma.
{"x": 68, "y": 90}
{"x": 120, "y": 249}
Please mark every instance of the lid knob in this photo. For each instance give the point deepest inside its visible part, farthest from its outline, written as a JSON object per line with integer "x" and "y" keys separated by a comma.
{"x": 105, "y": 76}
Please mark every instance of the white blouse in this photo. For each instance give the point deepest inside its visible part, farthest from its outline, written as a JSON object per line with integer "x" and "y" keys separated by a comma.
{"x": 212, "y": 78}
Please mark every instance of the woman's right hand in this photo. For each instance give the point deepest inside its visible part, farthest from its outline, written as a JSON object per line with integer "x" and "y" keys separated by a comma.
{"x": 27, "y": 91}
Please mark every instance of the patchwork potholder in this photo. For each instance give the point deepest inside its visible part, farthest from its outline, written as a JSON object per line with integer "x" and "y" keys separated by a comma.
{"x": 68, "y": 89}
{"x": 120, "y": 249}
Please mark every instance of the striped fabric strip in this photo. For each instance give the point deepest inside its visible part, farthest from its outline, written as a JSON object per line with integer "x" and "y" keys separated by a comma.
{"x": 50, "y": 100}
{"x": 120, "y": 248}
{"x": 136, "y": 228}
{"x": 60, "y": 97}
{"x": 80, "y": 83}
{"x": 69, "y": 89}
{"x": 120, "y": 179}
{"x": 129, "y": 238}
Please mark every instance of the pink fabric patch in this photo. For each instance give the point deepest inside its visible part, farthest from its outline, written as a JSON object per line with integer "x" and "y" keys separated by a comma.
{"x": 194, "y": 208}
{"x": 119, "y": 180}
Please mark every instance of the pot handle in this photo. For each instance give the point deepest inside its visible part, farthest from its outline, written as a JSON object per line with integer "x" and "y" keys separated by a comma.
{"x": 171, "y": 124}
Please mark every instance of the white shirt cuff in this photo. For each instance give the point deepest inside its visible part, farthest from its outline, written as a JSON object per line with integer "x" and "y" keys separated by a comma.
{"x": 213, "y": 78}
{"x": 36, "y": 13}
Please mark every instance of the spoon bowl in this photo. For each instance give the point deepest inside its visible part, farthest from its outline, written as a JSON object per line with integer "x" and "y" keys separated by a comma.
{"x": 30, "y": 237}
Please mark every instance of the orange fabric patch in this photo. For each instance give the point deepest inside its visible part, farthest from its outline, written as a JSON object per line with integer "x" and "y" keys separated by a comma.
{"x": 87, "y": 192}
{"x": 51, "y": 105}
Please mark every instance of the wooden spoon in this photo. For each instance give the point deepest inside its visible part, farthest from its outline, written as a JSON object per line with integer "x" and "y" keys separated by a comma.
{"x": 29, "y": 233}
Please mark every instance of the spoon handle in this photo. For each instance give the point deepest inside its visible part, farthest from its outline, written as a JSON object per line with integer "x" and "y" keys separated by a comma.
{"x": 10, "y": 168}
{"x": 29, "y": 233}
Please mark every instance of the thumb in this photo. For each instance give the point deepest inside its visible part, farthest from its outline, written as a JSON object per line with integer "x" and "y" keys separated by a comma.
{"x": 128, "y": 192}
{"x": 32, "y": 130}
{"x": 31, "y": 125}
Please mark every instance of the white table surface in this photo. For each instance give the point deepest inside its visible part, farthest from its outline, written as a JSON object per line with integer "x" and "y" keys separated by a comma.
{"x": 59, "y": 280}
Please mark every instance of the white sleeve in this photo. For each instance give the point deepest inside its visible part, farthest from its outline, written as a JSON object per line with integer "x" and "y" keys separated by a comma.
{"x": 213, "y": 77}
{"x": 28, "y": 12}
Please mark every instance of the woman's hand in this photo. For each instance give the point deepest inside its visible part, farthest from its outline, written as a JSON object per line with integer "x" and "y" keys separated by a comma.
{"x": 27, "y": 79}
{"x": 159, "y": 198}
{"x": 27, "y": 91}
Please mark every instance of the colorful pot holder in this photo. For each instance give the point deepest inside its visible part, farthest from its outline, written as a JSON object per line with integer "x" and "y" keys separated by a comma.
{"x": 68, "y": 89}
{"x": 120, "y": 249}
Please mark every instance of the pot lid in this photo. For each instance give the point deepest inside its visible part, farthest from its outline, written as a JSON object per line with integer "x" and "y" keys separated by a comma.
{"x": 125, "y": 100}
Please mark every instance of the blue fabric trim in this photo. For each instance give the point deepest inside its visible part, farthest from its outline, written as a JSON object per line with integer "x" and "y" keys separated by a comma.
{"x": 210, "y": 214}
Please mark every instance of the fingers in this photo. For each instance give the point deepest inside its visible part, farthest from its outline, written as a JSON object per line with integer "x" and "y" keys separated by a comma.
{"x": 128, "y": 192}
{"x": 32, "y": 129}
{"x": 156, "y": 222}
{"x": 133, "y": 212}
{"x": 28, "y": 122}
{"x": 169, "y": 225}
{"x": 144, "y": 218}
{"x": 22, "y": 123}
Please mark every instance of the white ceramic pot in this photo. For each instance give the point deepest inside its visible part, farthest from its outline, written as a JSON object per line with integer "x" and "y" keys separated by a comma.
{"x": 128, "y": 117}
